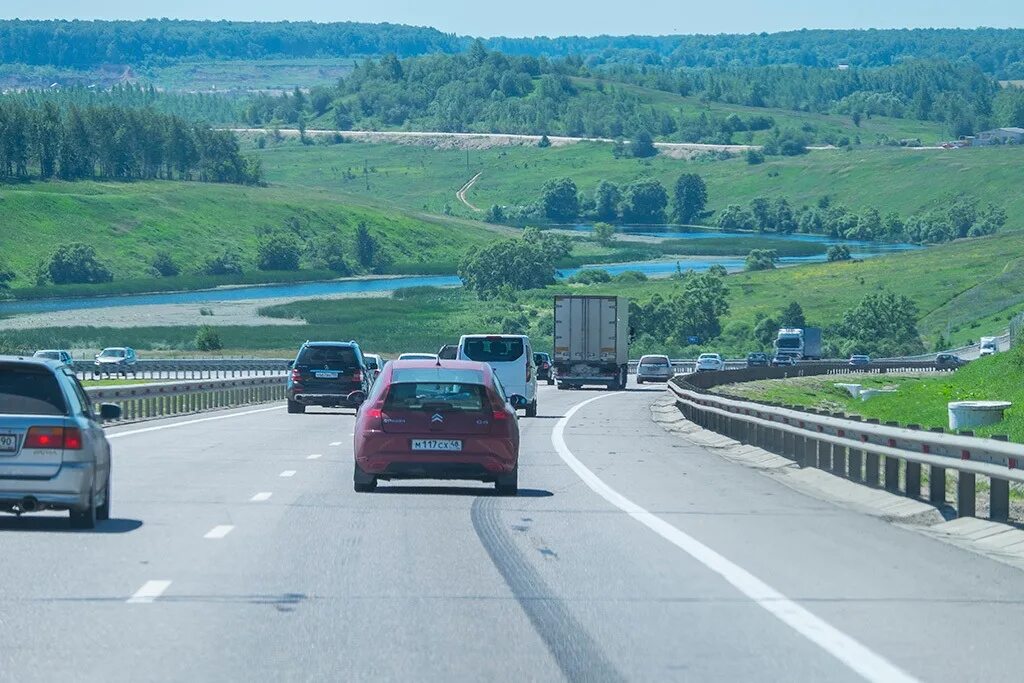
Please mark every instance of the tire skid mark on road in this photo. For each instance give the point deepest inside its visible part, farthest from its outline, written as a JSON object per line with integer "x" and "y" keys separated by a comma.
{"x": 857, "y": 657}
{"x": 577, "y": 654}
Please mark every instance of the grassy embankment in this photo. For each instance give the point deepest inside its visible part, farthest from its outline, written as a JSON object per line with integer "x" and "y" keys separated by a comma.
{"x": 918, "y": 400}
{"x": 426, "y": 179}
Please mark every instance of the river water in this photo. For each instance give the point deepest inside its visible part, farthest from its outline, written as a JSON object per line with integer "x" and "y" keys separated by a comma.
{"x": 659, "y": 268}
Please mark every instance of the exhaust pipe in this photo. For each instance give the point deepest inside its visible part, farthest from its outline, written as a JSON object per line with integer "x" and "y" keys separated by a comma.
{"x": 29, "y": 504}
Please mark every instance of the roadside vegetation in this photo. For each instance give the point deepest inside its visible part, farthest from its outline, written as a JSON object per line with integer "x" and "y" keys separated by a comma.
{"x": 919, "y": 399}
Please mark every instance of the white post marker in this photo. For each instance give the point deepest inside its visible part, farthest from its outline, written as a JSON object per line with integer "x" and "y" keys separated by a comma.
{"x": 261, "y": 496}
{"x": 857, "y": 657}
{"x": 150, "y": 591}
{"x": 219, "y": 531}
{"x": 287, "y": 473}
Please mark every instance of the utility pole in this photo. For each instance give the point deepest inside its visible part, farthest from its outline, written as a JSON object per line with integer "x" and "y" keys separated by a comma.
{"x": 467, "y": 160}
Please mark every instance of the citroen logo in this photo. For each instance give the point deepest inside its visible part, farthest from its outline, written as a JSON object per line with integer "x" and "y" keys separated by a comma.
{"x": 437, "y": 417}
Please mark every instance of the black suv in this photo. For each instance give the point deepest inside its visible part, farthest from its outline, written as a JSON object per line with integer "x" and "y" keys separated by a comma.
{"x": 543, "y": 363}
{"x": 757, "y": 360}
{"x": 331, "y": 374}
{"x": 949, "y": 360}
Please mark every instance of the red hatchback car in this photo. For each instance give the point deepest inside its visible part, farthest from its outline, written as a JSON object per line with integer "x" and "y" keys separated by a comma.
{"x": 444, "y": 419}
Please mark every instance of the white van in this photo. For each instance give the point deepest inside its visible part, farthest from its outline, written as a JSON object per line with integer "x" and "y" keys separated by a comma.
{"x": 511, "y": 356}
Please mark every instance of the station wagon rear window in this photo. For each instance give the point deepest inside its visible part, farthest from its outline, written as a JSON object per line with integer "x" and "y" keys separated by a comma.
{"x": 29, "y": 390}
{"x": 436, "y": 396}
{"x": 494, "y": 349}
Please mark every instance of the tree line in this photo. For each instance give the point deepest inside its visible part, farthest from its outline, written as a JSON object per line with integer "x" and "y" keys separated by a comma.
{"x": 212, "y": 108}
{"x": 115, "y": 142}
{"x": 81, "y": 44}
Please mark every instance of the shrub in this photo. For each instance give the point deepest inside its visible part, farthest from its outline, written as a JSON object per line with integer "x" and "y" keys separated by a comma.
{"x": 277, "y": 251}
{"x": 164, "y": 265}
{"x": 228, "y": 262}
{"x": 207, "y": 339}
{"x": 76, "y": 263}
{"x": 589, "y": 276}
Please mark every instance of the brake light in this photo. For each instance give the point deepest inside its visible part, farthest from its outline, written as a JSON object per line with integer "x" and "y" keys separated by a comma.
{"x": 69, "y": 438}
{"x": 499, "y": 415}
{"x": 296, "y": 376}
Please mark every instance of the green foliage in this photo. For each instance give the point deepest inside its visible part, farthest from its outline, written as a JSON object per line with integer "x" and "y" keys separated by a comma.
{"x": 644, "y": 201}
{"x": 839, "y": 252}
{"x": 367, "y": 247}
{"x": 327, "y": 252}
{"x": 765, "y": 331}
{"x": 696, "y": 310}
{"x": 604, "y": 233}
{"x": 164, "y": 265}
{"x": 207, "y": 339}
{"x": 793, "y": 316}
{"x": 543, "y": 142}
{"x": 735, "y": 217}
{"x": 524, "y": 263}
{"x": 560, "y": 200}
{"x": 76, "y": 263}
{"x": 7, "y": 275}
{"x": 882, "y": 325}
{"x": 691, "y": 196}
{"x": 754, "y": 157}
{"x": 227, "y": 262}
{"x": 277, "y": 250}
{"x": 606, "y": 201}
{"x": 642, "y": 145}
{"x": 761, "y": 259}
{"x": 589, "y": 276}
{"x": 630, "y": 276}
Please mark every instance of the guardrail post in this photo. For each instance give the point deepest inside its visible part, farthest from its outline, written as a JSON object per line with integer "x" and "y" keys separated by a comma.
{"x": 871, "y": 463}
{"x": 999, "y": 493}
{"x": 937, "y": 478}
{"x": 892, "y": 468}
{"x": 914, "y": 474}
{"x": 966, "y": 488}
{"x": 856, "y": 469}
{"x": 824, "y": 455}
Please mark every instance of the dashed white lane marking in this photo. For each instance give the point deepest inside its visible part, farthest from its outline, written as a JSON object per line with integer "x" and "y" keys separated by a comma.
{"x": 335, "y": 443}
{"x": 287, "y": 473}
{"x": 146, "y": 430}
{"x": 261, "y": 496}
{"x": 150, "y": 591}
{"x": 219, "y": 531}
{"x": 314, "y": 456}
{"x": 860, "y": 659}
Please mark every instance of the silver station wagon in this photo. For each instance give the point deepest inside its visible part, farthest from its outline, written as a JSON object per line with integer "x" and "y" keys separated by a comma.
{"x": 53, "y": 453}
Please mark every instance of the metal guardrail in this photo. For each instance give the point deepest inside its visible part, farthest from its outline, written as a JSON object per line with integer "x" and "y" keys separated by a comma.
{"x": 167, "y": 399}
{"x": 863, "y": 451}
{"x": 187, "y": 368}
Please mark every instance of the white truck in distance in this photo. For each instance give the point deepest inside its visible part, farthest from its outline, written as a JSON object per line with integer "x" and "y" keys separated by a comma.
{"x": 799, "y": 343}
{"x": 591, "y": 341}
{"x": 988, "y": 346}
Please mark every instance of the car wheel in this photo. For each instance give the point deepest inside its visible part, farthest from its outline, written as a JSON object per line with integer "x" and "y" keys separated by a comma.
{"x": 639, "y": 381}
{"x": 362, "y": 481}
{"x": 531, "y": 409}
{"x": 85, "y": 519}
{"x": 295, "y": 407}
{"x": 103, "y": 511}
{"x": 508, "y": 484}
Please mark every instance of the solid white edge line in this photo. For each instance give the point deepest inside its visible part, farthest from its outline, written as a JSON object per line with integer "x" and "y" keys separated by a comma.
{"x": 145, "y": 430}
{"x": 219, "y": 531}
{"x": 860, "y": 659}
{"x": 287, "y": 473}
{"x": 261, "y": 496}
{"x": 150, "y": 591}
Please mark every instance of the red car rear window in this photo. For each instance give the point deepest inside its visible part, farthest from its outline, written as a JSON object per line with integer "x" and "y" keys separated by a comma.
{"x": 436, "y": 396}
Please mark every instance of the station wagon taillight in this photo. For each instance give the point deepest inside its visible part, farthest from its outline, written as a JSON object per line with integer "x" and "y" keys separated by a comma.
{"x": 296, "y": 375}
{"x": 68, "y": 438}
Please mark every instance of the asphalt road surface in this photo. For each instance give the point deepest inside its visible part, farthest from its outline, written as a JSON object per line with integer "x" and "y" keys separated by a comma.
{"x": 238, "y": 551}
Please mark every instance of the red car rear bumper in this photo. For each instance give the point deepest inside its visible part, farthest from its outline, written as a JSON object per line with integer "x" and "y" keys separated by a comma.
{"x": 391, "y": 454}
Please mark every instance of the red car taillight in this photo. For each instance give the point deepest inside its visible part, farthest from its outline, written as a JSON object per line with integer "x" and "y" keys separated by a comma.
{"x": 296, "y": 376}
{"x": 68, "y": 438}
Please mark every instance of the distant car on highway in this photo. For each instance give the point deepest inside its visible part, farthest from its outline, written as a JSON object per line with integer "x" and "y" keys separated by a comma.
{"x": 710, "y": 361}
{"x": 374, "y": 363}
{"x": 327, "y": 373}
{"x": 448, "y": 352}
{"x": 437, "y": 420}
{"x": 782, "y": 360}
{"x": 757, "y": 359}
{"x": 859, "y": 360}
{"x": 53, "y": 453}
{"x": 545, "y": 371}
{"x": 418, "y": 356}
{"x": 59, "y": 355}
{"x": 653, "y": 368}
{"x": 949, "y": 360}
{"x": 115, "y": 360}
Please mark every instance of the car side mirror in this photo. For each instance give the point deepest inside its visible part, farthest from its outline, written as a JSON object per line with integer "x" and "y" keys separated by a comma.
{"x": 517, "y": 401}
{"x": 110, "y": 411}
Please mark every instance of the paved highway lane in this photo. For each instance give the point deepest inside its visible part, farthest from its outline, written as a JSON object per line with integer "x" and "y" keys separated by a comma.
{"x": 277, "y": 570}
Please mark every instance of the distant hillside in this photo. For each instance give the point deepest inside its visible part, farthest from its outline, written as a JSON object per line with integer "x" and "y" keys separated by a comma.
{"x": 87, "y": 44}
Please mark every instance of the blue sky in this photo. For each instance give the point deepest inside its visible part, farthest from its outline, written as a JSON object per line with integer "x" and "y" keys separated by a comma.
{"x": 540, "y": 17}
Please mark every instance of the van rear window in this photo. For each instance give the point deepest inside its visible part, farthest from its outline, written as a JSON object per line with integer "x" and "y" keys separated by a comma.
{"x": 29, "y": 390}
{"x": 493, "y": 349}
